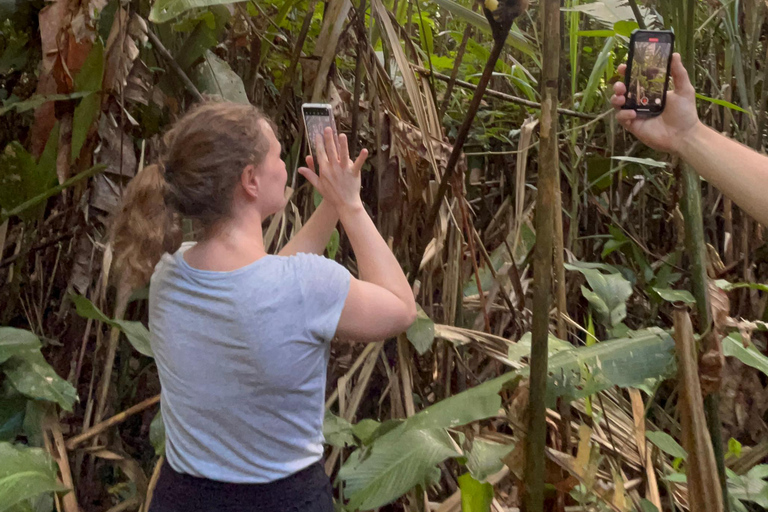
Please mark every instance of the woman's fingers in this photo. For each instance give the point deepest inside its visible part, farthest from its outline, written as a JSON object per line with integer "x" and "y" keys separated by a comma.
{"x": 310, "y": 162}
{"x": 622, "y": 69}
{"x": 626, "y": 117}
{"x": 343, "y": 149}
{"x": 619, "y": 89}
{"x": 310, "y": 175}
{"x": 618, "y": 101}
{"x": 330, "y": 146}
{"x": 358, "y": 165}
{"x": 322, "y": 156}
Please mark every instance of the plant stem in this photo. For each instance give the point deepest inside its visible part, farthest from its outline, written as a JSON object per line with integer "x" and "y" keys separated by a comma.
{"x": 546, "y": 207}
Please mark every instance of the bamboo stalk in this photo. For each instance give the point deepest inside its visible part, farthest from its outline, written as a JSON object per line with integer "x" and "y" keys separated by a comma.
{"x": 696, "y": 248}
{"x": 95, "y": 430}
{"x": 546, "y": 203}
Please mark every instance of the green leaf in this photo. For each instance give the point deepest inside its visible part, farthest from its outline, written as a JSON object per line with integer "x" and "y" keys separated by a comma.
{"x": 475, "y": 496}
{"x": 647, "y": 506}
{"x": 596, "y": 33}
{"x": 722, "y": 103}
{"x": 32, "y": 376}
{"x": 214, "y": 76}
{"x": 751, "y": 487}
{"x": 12, "y": 411}
{"x": 733, "y": 347}
{"x": 596, "y": 76}
{"x": 337, "y": 431}
{"x": 671, "y": 295}
{"x": 333, "y": 244}
{"x": 635, "y": 362}
{"x": 608, "y": 296}
{"x": 666, "y": 443}
{"x": 485, "y": 457}
{"x": 649, "y": 162}
{"x": 89, "y": 79}
{"x": 727, "y": 286}
{"x": 421, "y": 333}
{"x": 625, "y": 27}
{"x": 37, "y": 100}
{"x": 25, "y": 473}
{"x": 138, "y": 335}
{"x": 166, "y": 10}
{"x": 16, "y": 341}
{"x": 21, "y": 179}
{"x": 395, "y": 465}
{"x": 365, "y": 430}
{"x": 157, "y": 433}
{"x": 517, "y": 351}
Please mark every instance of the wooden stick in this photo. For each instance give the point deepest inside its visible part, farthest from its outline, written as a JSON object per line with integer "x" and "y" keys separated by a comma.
{"x": 95, "y": 430}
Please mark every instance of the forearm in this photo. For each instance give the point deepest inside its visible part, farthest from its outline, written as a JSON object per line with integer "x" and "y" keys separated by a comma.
{"x": 736, "y": 170}
{"x": 375, "y": 260}
{"x": 313, "y": 237}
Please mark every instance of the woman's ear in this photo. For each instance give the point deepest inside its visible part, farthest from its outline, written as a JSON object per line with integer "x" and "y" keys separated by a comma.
{"x": 249, "y": 179}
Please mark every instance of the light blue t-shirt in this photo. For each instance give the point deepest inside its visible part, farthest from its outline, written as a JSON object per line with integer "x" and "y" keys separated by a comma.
{"x": 242, "y": 359}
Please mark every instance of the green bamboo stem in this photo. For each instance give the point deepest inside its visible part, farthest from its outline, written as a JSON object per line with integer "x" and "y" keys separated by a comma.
{"x": 696, "y": 247}
{"x": 546, "y": 208}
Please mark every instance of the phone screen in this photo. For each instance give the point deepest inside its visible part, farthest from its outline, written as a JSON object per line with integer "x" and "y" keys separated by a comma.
{"x": 317, "y": 119}
{"x": 651, "y": 53}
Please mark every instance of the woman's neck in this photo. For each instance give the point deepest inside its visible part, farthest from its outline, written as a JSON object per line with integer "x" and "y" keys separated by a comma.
{"x": 232, "y": 244}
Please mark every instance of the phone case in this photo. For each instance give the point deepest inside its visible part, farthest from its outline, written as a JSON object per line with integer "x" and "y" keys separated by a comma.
{"x": 311, "y": 127}
{"x": 643, "y": 104}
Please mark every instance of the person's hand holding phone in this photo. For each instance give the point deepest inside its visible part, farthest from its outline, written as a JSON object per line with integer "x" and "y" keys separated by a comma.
{"x": 667, "y": 131}
{"x": 338, "y": 179}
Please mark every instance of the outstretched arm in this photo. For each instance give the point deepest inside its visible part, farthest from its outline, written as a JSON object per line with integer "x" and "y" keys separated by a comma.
{"x": 738, "y": 171}
{"x": 314, "y": 235}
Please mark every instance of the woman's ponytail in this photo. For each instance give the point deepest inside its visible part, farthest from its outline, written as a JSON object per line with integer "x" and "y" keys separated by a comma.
{"x": 145, "y": 228}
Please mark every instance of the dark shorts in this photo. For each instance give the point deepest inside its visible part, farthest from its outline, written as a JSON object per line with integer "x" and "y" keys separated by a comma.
{"x": 309, "y": 490}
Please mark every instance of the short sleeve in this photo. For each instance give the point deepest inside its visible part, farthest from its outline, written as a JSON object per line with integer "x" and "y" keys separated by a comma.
{"x": 324, "y": 288}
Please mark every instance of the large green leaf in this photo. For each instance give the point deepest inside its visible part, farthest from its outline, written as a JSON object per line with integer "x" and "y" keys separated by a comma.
{"x": 25, "y": 473}
{"x": 608, "y": 296}
{"x": 667, "y": 444}
{"x": 395, "y": 464}
{"x": 610, "y": 12}
{"x": 636, "y": 362}
{"x": 670, "y": 295}
{"x": 157, "y": 433}
{"x": 597, "y": 73}
{"x": 89, "y": 79}
{"x": 521, "y": 349}
{"x": 32, "y": 376}
{"x": 337, "y": 431}
{"x": 166, "y": 10}
{"x": 214, "y": 76}
{"x": 485, "y": 458}
{"x": 138, "y": 335}
{"x": 421, "y": 333}
{"x": 734, "y": 347}
{"x": 475, "y": 496}
{"x": 15, "y": 341}
{"x": 752, "y": 486}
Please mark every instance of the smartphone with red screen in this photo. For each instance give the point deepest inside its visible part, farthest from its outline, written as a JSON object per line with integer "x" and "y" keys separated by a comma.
{"x": 647, "y": 76}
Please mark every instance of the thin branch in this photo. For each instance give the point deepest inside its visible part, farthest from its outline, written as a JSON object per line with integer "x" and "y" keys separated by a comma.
{"x": 95, "y": 430}
{"x": 165, "y": 54}
{"x": 501, "y": 95}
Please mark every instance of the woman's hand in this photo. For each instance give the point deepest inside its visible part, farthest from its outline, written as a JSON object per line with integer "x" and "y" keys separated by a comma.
{"x": 338, "y": 180}
{"x": 668, "y": 131}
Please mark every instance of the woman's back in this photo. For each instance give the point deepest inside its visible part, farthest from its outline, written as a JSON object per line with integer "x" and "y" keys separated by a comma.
{"x": 242, "y": 358}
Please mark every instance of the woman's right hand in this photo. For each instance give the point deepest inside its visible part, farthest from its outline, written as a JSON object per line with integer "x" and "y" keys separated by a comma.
{"x": 338, "y": 177}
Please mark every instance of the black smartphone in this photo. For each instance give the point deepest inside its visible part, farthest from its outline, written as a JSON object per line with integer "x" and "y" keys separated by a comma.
{"x": 647, "y": 76}
{"x": 317, "y": 117}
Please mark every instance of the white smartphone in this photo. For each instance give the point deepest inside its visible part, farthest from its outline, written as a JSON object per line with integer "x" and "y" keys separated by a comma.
{"x": 317, "y": 117}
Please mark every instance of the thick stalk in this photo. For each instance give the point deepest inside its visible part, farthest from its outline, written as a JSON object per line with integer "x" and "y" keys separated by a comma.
{"x": 546, "y": 208}
{"x": 286, "y": 91}
{"x": 361, "y": 54}
{"x": 696, "y": 248}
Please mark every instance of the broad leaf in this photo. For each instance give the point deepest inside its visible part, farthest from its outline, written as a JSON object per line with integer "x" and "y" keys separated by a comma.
{"x": 396, "y": 464}
{"x": 521, "y": 349}
{"x": 608, "y": 296}
{"x": 15, "y": 341}
{"x": 485, "y": 458}
{"x": 88, "y": 80}
{"x": 667, "y": 444}
{"x": 24, "y": 474}
{"x": 752, "y": 486}
{"x": 337, "y": 431}
{"x": 635, "y": 362}
{"x": 214, "y": 76}
{"x": 671, "y": 295}
{"x": 421, "y": 333}
{"x": 32, "y": 376}
{"x": 732, "y": 347}
{"x": 475, "y": 496}
{"x": 157, "y": 433}
{"x": 138, "y": 335}
{"x": 12, "y": 411}
{"x": 166, "y": 10}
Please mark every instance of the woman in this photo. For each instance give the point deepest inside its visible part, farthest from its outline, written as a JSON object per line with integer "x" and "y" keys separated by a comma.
{"x": 241, "y": 337}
